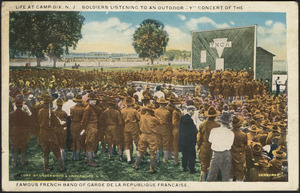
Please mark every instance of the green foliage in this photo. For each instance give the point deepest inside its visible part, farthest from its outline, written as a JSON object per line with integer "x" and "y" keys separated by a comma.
{"x": 39, "y": 33}
{"x": 150, "y": 39}
{"x": 177, "y": 54}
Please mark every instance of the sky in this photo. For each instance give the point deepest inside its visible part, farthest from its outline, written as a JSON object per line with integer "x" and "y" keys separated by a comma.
{"x": 112, "y": 31}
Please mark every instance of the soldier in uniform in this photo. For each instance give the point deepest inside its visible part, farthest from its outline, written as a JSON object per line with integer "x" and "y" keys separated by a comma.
{"x": 112, "y": 122}
{"x": 277, "y": 162}
{"x": 76, "y": 127}
{"x": 149, "y": 125}
{"x": 238, "y": 150}
{"x": 89, "y": 124}
{"x": 19, "y": 132}
{"x": 147, "y": 91}
{"x": 204, "y": 145}
{"x": 48, "y": 121}
{"x": 165, "y": 130}
{"x": 131, "y": 120}
{"x": 61, "y": 130}
{"x": 176, "y": 116}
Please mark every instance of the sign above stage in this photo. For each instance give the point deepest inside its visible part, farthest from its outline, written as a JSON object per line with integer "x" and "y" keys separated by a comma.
{"x": 220, "y": 44}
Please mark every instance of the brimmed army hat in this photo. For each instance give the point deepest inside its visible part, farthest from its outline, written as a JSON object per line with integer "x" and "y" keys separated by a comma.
{"x": 47, "y": 99}
{"x": 162, "y": 100}
{"x": 211, "y": 112}
{"x": 254, "y": 129}
{"x": 59, "y": 102}
{"x": 78, "y": 98}
{"x": 150, "y": 107}
{"x": 129, "y": 101}
{"x": 279, "y": 153}
{"x": 237, "y": 122}
{"x": 256, "y": 147}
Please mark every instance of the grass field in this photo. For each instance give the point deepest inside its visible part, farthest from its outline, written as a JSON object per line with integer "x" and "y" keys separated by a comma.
{"x": 114, "y": 170}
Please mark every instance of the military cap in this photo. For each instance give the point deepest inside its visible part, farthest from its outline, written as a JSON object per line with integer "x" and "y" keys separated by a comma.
{"x": 78, "y": 98}
{"x": 253, "y": 129}
{"x": 237, "y": 122}
{"x": 148, "y": 86}
{"x": 211, "y": 112}
{"x": 170, "y": 87}
{"x": 47, "y": 99}
{"x": 150, "y": 107}
{"x": 279, "y": 153}
{"x": 162, "y": 100}
{"x": 256, "y": 148}
{"x": 129, "y": 101}
{"x": 59, "y": 102}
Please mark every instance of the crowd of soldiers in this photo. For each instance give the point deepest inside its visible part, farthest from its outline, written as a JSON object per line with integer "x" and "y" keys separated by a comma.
{"x": 227, "y": 83}
{"x": 47, "y": 104}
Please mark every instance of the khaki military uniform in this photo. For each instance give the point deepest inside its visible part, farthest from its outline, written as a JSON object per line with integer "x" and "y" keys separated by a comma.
{"x": 204, "y": 145}
{"x": 112, "y": 122}
{"x": 238, "y": 154}
{"x": 19, "y": 130}
{"x": 176, "y": 116}
{"x": 48, "y": 121}
{"x": 165, "y": 135}
{"x": 76, "y": 127}
{"x": 89, "y": 123}
{"x": 131, "y": 128}
{"x": 149, "y": 130}
{"x": 60, "y": 131}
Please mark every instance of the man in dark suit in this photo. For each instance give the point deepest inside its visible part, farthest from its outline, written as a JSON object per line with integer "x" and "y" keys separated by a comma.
{"x": 187, "y": 140}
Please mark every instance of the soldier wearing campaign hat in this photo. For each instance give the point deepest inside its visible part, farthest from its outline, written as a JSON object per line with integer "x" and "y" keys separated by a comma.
{"x": 90, "y": 128}
{"x": 112, "y": 123}
{"x": 204, "y": 145}
{"x": 48, "y": 121}
{"x": 61, "y": 130}
{"x": 165, "y": 135}
{"x": 75, "y": 128}
{"x": 149, "y": 125}
{"x": 176, "y": 115}
{"x": 131, "y": 120}
{"x": 238, "y": 150}
{"x": 19, "y": 132}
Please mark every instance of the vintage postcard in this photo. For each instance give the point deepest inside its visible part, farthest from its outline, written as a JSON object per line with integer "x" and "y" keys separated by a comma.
{"x": 149, "y": 96}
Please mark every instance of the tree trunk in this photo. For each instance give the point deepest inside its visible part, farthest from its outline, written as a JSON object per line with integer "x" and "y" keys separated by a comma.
{"x": 54, "y": 62}
{"x": 38, "y": 62}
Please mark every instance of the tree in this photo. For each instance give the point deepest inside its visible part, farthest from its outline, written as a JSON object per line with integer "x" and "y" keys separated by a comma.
{"x": 40, "y": 33}
{"x": 150, "y": 39}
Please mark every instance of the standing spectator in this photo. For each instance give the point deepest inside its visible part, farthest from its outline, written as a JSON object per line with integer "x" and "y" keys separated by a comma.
{"x": 238, "y": 150}
{"x": 277, "y": 82}
{"x": 221, "y": 139}
{"x": 19, "y": 126}
{"x": 47, "y": 122}
{"x": 204, "y": 145}
{"x": 187, "y": 140}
